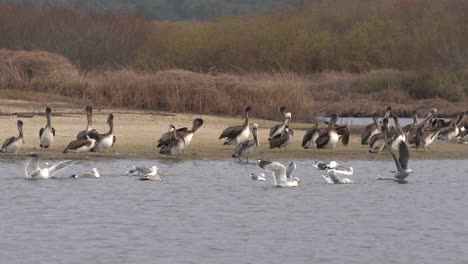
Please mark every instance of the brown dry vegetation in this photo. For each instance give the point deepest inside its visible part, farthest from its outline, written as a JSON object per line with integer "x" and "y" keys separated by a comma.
{"x": 352, "y": 57}
{"x": 306, "y": 96}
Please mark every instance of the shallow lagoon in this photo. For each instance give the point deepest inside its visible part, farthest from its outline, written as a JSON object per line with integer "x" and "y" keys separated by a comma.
{"x": 209, "y": 211}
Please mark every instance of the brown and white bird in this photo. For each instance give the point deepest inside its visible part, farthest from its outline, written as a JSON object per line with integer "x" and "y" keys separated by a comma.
{"x": 176, "y": 143}
{"x": 373, "y": 128}
{"x": 278, "y": 129}
{"x": 81, "y": 145}
{"x": 184, "y": 132}
{"x": 107, "y": 140}
{"x": 13, "y": 144}
{"x": 89, "y": 117}
{"x": 282, "y": 140}
{"x": 308, "y": 141}
{"x": 237, "y": 134}
{"x": 246, "y": 148}
{"x": 329, "y": 137}
{"x": 47, "y": 133}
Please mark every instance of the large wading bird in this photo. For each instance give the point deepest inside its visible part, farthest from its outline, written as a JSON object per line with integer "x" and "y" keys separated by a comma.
{"x": 13, "y": 144}
{"x": 47, "y": 133}
{"x": 235, "y": 135}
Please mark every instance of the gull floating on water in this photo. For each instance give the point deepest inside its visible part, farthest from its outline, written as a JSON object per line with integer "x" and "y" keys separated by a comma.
{"x": 336, "y": 172}
{"x": 94, "y": 173}
{"x": 282, "y": 177}
{"x": 147, "y": 174}
{"x": 35, "y": 172}
{"x": 258, "y": 177}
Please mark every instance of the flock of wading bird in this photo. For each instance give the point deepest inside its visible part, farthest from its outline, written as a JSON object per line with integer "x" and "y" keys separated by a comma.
{"x": 377, "y": 136}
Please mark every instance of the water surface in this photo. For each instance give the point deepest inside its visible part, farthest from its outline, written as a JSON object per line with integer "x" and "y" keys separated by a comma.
{"x": 211, "y": 212}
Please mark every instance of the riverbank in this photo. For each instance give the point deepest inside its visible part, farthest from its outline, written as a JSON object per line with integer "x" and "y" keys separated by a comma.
{"x": 137, "y": 131}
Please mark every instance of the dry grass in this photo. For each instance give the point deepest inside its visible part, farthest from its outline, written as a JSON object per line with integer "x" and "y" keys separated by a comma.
{"x": 39, "y": 76}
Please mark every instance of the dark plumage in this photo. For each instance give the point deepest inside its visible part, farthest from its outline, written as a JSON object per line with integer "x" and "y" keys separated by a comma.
{"x": 47, "y": 133}
{"x": 237, "y": 134}
{"x": 13, "y": 144}
{"x": 176, "y": 143}
{"x": 183, "y": 132}
{"x": 89, "y": 117}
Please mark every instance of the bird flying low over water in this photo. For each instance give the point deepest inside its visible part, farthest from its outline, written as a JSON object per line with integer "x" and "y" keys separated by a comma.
{"x": 400, "y": 157}
{"x": 35, "y": 172}
{"x": 282, "y": 176}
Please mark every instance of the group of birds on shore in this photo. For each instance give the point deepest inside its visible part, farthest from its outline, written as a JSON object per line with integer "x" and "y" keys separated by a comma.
{"x": 378, "y": 136}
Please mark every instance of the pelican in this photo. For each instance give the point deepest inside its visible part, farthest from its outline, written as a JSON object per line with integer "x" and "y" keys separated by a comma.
{"x": 184, "y": 132}
{"x": 147, "y": 174}
{"x": 376, "y": 141}
{"x": 330, "y": 137}
{"x": 105, "y": 141}
{"x": 82, "y": 145}
{"x": 89, "y": 116}
{"x": 282, "y": 140}
{"x": 257, "y": 177}
{"x": 34, "y": 172}
{"x": 94, "y": 173}
{"x": 427, "y": 135}
{"x": 245, "y": 148}
{"x": 278, "y": 129}
{"x": 336, "y": 172}
{"x": 456, "y": 127}
{"x": 397, "y": 135}
{"x": 373, "y": 128}
{"x": 411, "y": 135}
{"x": 237, "y": 134}
{"x": 401, "y": 159}
{"x": 176, "y": 143}
{"x": 13, "y": 144}
{"x": 282, "y": 177}
{"x": 311, "y": 135}
{"x": 46, "y": 134}
{"x": 409, "y": 127}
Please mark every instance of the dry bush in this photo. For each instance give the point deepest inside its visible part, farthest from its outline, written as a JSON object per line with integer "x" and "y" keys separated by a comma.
{"x": 306, "y": 96}
{"x": 37, "y": 71}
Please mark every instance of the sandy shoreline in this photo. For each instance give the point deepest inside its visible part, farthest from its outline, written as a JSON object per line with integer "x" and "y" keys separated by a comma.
{"x": 138, "y": 130}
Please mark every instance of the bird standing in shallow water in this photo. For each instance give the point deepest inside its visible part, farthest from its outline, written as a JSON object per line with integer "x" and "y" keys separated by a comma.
{"x": 246, "y": 148}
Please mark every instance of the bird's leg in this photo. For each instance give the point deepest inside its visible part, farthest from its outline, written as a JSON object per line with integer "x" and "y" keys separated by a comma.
{"x": 247, "y": 158}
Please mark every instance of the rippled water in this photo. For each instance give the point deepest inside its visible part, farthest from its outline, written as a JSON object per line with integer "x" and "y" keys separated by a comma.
{"x": 211, "y": 212}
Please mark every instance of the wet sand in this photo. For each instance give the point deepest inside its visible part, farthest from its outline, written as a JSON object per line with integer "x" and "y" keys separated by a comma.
{"x": 137, "y": 132}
